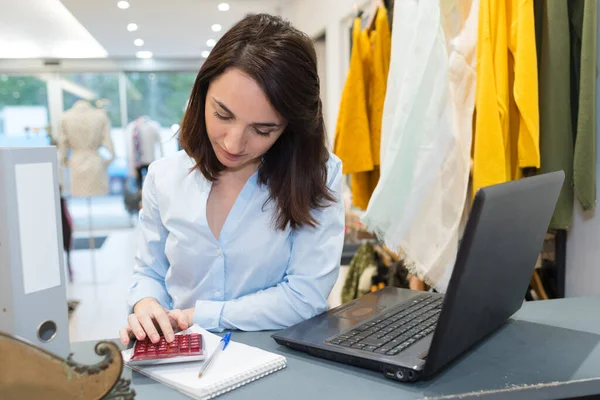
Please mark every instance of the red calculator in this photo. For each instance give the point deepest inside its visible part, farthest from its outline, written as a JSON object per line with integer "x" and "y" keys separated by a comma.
{"x": 185, "y": 347}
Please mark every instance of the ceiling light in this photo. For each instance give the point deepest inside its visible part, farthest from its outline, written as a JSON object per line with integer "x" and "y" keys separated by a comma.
{"x": 217, "y": 28}
{"x": 211, "y": 42}
{"x": 138, "y": 42}
{"x": 132, "y": 27}
{"x": 143, "y": 54}
{"x": 123, "y": 5}
{"x": 205, "y": 53}
{"x": 223, "y": 7}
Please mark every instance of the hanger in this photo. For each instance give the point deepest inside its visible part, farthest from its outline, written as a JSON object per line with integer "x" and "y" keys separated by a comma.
{"x": 356, "y": 11}
{"x": 375, "y": 4}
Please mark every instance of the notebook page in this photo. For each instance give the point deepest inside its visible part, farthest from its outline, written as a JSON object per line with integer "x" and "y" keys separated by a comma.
{"x": 238, "y": 364}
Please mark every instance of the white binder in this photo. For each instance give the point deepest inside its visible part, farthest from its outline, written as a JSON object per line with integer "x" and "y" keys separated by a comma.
{"x": 33, "y": 300}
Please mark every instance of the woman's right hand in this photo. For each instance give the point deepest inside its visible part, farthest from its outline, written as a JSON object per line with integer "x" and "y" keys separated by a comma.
{"x": 148, "y": 315}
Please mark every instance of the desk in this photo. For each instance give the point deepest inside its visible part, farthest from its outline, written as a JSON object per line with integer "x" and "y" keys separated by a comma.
{"x": 546, "y": 341}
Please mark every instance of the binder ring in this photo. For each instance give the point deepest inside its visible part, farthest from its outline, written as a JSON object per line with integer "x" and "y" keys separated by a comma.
{"x": 46, "y": 332}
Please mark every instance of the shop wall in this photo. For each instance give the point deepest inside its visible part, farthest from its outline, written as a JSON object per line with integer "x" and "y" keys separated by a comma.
{"x": 583, "y": 240}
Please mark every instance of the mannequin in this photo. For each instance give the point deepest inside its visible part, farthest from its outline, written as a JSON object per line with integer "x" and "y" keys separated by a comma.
{"x": 144, "y": 136}
{"x": 84, "y": 130}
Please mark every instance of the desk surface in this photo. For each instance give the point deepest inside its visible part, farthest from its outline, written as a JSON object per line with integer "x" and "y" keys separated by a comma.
{"x": 546, "y": 342}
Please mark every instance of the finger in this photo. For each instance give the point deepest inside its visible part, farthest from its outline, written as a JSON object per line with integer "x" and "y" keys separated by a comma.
{"x": 172, "y": 314}
{"x": 179, "y": 320}
{"x": 183, "y": 321}
{"x": 160, "y": 315}
{"x": 148, "y": 325}
{"x": 136, "y": 328}
{"x": 124, "y": 335}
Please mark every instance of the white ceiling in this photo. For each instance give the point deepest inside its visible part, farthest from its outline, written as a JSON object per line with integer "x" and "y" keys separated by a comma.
{"x": 175, "y": 29}
{"x": 42, "y": 28}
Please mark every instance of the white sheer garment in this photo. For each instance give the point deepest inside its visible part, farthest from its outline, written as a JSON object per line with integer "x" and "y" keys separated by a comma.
{"x": 419, "y": 202}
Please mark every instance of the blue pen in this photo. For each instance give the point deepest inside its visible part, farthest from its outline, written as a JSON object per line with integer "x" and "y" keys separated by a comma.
{"x": 222, "y": 346}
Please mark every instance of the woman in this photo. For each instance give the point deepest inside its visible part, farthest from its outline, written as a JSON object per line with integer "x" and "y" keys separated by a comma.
{"x": 243, "y": 228}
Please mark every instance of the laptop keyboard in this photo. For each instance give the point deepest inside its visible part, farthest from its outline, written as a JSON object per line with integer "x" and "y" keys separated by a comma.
{"x": 396, "y": 330}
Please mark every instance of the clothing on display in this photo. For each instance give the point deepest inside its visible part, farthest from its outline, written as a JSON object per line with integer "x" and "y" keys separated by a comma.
{"x": 370, "y": 270}
{"x": 418, "y": 205}
{"x": 84, "y": 130}
{"x": 584, "y": 168}
{"x": 144, "y": 138}
{"x": 565, "y": 32}
{"x": 67, "y": 233}
{"x": 478, "y": 93}
{"x": 507, "y": 121}
{"x": 363, "y": 263}
{"x": 358, "y": 130}
{"x": 556, "y": 143}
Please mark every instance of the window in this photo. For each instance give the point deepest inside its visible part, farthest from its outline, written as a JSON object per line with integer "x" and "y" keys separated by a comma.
{"x": 102, "y": 90}
{"x": 160, "y": 95}
{"x": 24, "y": 117}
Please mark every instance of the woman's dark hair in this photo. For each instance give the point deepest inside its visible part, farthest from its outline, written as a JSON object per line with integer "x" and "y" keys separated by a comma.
{"x": 282, "y": 60}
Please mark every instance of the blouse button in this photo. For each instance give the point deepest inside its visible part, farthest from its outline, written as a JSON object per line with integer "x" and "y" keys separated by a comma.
{"x": 219, "y": 252}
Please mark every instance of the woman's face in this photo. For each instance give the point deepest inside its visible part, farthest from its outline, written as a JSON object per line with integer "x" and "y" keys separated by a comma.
{"x": 241, "y": 123}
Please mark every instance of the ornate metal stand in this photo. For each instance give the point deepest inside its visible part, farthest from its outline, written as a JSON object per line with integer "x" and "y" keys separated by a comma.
{"x": 29, "y": 372}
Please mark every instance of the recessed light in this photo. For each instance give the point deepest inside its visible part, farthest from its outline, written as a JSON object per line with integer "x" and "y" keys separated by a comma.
{"x": 138, "y": 42}
{"x": 211, "y": 42}
{"x": 132, "y": 27}
{"x": 217, "y": 28}
{"x": 123, "y": 5}
{"x": 143, "y": 54}
{"x": 205, "y": 53}
{"x": 223, "y": 7}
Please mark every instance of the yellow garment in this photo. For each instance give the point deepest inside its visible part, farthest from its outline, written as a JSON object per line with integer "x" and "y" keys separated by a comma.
{"x": 379, "y": 60}
{"x": 507, "y": 119}
{"x": 362, "y": 182}
{"x": 358, "y": 130}
{"x": 352, "y": 143}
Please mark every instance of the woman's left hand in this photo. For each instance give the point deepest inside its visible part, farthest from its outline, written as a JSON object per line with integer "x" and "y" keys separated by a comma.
{"x": 181, "y": 319}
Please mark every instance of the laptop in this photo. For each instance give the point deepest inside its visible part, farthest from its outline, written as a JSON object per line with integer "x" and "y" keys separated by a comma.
{"x": 411, "y": 335}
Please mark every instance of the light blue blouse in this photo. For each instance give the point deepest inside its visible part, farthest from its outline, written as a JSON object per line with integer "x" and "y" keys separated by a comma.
{"x": 254, "y": 277}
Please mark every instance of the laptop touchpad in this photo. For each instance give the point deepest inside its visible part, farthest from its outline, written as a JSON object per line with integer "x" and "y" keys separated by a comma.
{"x": 358, "y": 311}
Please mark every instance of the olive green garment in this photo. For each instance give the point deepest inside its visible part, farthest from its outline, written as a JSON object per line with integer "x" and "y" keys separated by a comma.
{"x": 362, "y": 259}
{"x": 556, "y": 134}
{"x": 584, "y": 164}
{"x": 566, "y": 47}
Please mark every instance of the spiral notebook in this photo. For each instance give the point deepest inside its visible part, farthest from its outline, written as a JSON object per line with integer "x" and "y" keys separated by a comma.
{"x": 238, "y": 365}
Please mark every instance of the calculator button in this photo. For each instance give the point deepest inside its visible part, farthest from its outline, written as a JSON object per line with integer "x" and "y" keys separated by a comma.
{"x": 183, "y": 345}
